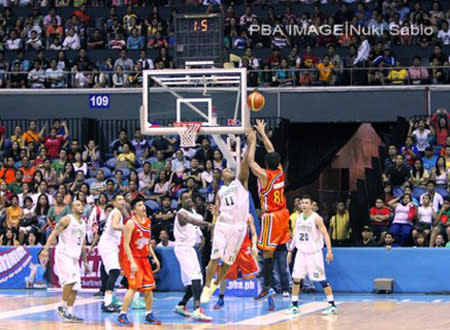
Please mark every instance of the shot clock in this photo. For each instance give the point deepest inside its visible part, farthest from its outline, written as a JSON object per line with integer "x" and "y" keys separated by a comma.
{"x": 199, "y": 37}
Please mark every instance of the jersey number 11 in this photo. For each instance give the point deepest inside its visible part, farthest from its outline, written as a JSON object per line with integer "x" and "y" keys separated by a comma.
{"x": 229, "y": 201}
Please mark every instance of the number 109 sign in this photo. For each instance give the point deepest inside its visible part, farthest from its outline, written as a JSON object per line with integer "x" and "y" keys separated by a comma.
{"x": 99, "y": 101}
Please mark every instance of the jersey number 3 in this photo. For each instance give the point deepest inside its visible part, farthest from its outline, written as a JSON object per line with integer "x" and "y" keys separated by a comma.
{"x": 229, "y": 201}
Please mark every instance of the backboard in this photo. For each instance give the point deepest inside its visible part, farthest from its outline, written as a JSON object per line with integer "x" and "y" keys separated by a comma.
{"x": 214, "y": 97}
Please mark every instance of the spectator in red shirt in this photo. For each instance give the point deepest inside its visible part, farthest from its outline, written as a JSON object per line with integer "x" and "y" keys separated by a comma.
{"x": 275, "y": 58}
{"x": 309, "y": 60}
{"x": 379, "y": 220}
{"x": 27, "y": 169}
{"x": 2, "y": 131}
{"x": 53, "y": 142}
{"x": 8, "y": 173}
{"x": 81, "y": 14}
{"x": 157, "y": 41}
{"x": 441, "y": 126}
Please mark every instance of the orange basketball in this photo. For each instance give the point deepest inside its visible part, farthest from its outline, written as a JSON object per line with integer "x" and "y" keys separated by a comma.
{"x": 256, "y": 101}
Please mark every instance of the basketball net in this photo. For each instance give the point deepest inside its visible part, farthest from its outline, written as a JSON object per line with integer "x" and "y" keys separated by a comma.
{"x": 188, "y": 132}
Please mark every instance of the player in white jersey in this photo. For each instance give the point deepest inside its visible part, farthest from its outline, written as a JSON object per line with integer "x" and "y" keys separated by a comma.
{"x": 185, "y": 233}
{"x": 108, "y": 249}
{"x": 231, "y": 210}
{"x": 310, "y": 232}
{"x": 71, "y": 233}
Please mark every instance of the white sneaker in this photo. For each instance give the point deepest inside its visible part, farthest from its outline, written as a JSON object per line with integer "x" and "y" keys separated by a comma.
{"x": 204, "y": 298}
{"x": 286, "y": 294}
{"x": 293, "y": 310}
{"x": 330, "y": 310}
{"x": 199, "y": 315}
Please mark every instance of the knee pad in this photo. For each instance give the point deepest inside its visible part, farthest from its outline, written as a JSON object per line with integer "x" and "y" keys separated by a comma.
{"x": 324, "y": 284}
{"x": 112, "y": 277}
{"x": 114, "y": 273}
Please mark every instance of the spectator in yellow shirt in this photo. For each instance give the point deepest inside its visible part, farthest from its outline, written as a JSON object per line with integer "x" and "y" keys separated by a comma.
{"x": 340, "y": 226}
{"x": 127, "y": 158}
{"x": 14, "y": 214}
{"x": 294, "y": 215}
{"x": 18, "y": 136}
{"x": 326, "y": 71}
{"x": 397, "y": 76}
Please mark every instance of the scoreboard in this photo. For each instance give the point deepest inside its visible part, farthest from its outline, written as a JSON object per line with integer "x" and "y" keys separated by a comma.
{"x": 199, "y": 37}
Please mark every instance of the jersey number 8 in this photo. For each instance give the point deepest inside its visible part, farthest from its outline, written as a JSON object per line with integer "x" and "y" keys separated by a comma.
{"x": 278, "y": 196}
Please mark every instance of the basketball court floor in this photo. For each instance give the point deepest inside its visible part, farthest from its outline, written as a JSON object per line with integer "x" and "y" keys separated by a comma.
{"x": 22, "y": 309}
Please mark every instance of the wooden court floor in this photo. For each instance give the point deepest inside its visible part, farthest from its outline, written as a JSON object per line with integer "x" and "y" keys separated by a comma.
{"x": 23, "y": 312}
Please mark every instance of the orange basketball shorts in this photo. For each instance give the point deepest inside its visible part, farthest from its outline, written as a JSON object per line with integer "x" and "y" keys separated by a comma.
{"x": 274, "y": 229}
{"x": 245, "y": 263}
{"x": 143, "y": 279}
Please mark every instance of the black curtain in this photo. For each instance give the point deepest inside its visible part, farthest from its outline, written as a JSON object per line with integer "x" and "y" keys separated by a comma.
{"x": 393, "y": 133}
{"x": 359, "y": 209}
{"x": 312, "y": 147}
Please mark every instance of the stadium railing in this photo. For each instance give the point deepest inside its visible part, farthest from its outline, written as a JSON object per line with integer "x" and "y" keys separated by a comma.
{"x": 340, "y": 76}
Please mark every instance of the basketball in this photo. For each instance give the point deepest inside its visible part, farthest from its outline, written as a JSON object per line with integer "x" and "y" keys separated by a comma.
{"x": 256, "y": 101}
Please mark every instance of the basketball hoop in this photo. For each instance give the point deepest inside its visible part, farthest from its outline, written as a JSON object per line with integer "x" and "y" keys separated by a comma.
{"x": 188, "y": 132}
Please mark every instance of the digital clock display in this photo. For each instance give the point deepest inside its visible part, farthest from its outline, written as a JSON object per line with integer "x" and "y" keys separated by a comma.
{"x": 199, "y": 37}
{"x": 201, "y": 25}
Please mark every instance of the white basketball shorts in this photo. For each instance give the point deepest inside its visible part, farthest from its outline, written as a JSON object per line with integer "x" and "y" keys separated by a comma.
{"x": 309, "y": 264}
{"x": 189, "y": 265}
{"x": 110, "y": 257}
{"x": 68, "y": 270}
{"x": 227, "y": 241}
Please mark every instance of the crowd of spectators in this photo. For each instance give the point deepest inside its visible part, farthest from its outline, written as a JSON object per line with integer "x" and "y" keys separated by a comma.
{"x": 416, "y": 203}
{"x": 294, "y": 60}
{"x": 43, "y": 170}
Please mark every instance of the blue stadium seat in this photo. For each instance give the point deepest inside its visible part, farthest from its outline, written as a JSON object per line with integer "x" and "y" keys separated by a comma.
{"x": 203, "y": 192}
{"x": 18, "y": 164}
{"x": 90, "y": 181}
{"x": 174, "y": 204}
{"x": 179, "y": 192}
{"x": 125, "y": 171}
{"x": 107, "y": 172}
{"x": 154, "y": 206}
{"x": 112, "y": 144}
{"x": 111, "y": 163}
{"x": 151, "y": 159}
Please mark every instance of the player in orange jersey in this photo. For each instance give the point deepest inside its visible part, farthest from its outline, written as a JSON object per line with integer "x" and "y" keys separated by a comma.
{"x": 275, "y": 216}
{"x": 137, "y": 268}
{"x": 245, "y": 262}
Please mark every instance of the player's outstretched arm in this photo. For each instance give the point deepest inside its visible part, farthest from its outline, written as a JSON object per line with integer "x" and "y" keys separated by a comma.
{"x": 261, "y": 128}
{"x": 127, "y": 232}
{"x": 244, "y": 172}
{"x": 87, "y": 270}
{"x": 320, "y": 225}
{"x": 94, "y": 243}
{"x": 155, "y": 259}
{"x": 251, "y": 224}
{"x": 184, "y": 218}
{"x": 60, "y": 226}
{"x": 254, "y": 167}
